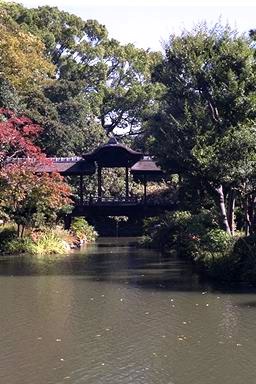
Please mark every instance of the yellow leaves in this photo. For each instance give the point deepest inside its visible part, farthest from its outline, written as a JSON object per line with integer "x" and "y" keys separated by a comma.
{"x": 22, "y": 59}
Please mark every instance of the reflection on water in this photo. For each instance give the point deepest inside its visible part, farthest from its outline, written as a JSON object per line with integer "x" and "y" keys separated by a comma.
{"x": 116, "y": 314}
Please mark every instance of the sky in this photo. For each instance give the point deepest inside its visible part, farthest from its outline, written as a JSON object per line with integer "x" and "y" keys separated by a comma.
{"x": 149, "y": 23}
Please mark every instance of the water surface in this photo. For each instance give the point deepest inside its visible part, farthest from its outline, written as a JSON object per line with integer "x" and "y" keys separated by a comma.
{"x": 118, "y": 314}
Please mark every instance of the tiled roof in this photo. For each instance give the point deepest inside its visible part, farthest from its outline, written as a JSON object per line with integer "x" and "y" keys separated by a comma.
{"x": 113, "y": 154}
{"x": 69, "y": 166}
{"x": 145, "y": 165}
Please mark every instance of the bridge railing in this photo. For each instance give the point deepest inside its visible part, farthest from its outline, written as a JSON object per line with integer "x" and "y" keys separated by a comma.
{"x": 125, "y": 201}
{"x": 112, "y": 201}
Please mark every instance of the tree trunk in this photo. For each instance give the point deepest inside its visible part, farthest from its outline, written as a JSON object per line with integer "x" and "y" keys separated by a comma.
{"x": 222, "y": 207}
{"x": 22, "y": 231}
{"x": 247, "y": 217}
{"x": 253, "y": 216}
{"x": 231, "y": 211}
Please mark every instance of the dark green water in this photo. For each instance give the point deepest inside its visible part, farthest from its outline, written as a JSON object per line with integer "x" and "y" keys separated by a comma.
{"x": 121, "y": 315}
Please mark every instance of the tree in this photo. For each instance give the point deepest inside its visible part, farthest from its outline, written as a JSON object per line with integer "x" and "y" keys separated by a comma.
{"x": 22, "y": 60}
{"x": 26, "y": 195}
{"x": 69, "y": 126}
{"x": 9, "y": 97}
{"x": 204, "y": 128}
{"x": 113, "y": 81}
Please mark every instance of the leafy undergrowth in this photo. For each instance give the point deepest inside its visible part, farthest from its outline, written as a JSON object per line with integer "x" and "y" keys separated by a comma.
{"x": 47, "y": 241}
{"x": 198, "y": 237}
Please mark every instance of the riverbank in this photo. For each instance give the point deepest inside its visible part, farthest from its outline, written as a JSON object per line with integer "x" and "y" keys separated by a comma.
{"x": 215, "y": 254}
{"x": 46, "y": 241}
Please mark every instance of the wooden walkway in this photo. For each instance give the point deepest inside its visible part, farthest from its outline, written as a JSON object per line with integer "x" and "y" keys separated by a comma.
{"x": 130, "y": 206}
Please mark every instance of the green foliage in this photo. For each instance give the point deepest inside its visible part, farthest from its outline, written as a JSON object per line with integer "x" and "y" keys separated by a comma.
{"x": 177, "y": 229}
{"x": 48, "y": 243}
{"x": 22, "y": 60}
{"x": 7, "y": 234}
{"x": 196, "y": 237}
{"x": 98, "y": 75}
{"x": 8, "y": 95}
{"x": 206, "y": 112}
{"x": 245, "y": 256}
{"x": 214, "y": 254}
{"x": 165, "y": 229}
{"x": 83, "y": 230}
{"x": 18, "y": 246}
{"x": 204, "y": 127}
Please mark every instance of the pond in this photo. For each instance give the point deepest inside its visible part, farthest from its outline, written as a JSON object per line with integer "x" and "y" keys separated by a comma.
{"x": 117, "y": 314}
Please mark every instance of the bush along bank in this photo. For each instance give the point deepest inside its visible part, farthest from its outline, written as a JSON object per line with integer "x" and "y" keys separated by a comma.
{"x": 46, "y": 241}
{"x": 198, "y": 237}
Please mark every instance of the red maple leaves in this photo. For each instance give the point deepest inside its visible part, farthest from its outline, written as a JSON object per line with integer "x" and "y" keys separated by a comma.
{"x": 20, "y": 183}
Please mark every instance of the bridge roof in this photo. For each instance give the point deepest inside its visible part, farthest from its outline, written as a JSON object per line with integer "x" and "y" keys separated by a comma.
{"x": 113, "y": 154}
{"x": 147, "y": 167}
{"x": 68, "y": 166}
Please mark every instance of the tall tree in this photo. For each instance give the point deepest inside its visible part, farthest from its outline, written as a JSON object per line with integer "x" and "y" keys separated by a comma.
{"x": 113, "y": 80}
{"x": 205, "y": 125}
{"x": 22, "y": 59}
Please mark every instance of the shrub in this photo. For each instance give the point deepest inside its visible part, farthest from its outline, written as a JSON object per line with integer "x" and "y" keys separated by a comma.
{"x": 48, "y": 243}
{"x": 244, "y": 255}
{"x": 197, "y": 237}
{"x": 18, "y": 245}
{"x": 83, "y": 230}
{"x": 7, "y": 234}
{"x": 165, "y": 229}
{"x": 215, "y": 254}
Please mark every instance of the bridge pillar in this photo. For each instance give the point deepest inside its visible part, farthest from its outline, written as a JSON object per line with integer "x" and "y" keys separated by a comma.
{"x": 81, "y": 189}
{"x": 67, "y": 221}
{"x": 99, "y": 182}
{"x": 126, "y": 182}
{"x": 145, "y": 189}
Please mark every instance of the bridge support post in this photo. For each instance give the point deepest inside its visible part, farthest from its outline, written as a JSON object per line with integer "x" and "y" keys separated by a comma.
{"x": 126, "y": 182}
{"x": 81, "y": 189}
{"x": 99, "y": 183}
{"x": 145, "y": 189}
{"x": 67, "y": 221}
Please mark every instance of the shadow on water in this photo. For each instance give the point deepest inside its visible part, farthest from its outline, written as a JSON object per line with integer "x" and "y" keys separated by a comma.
{"x": 121, "y": 261}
